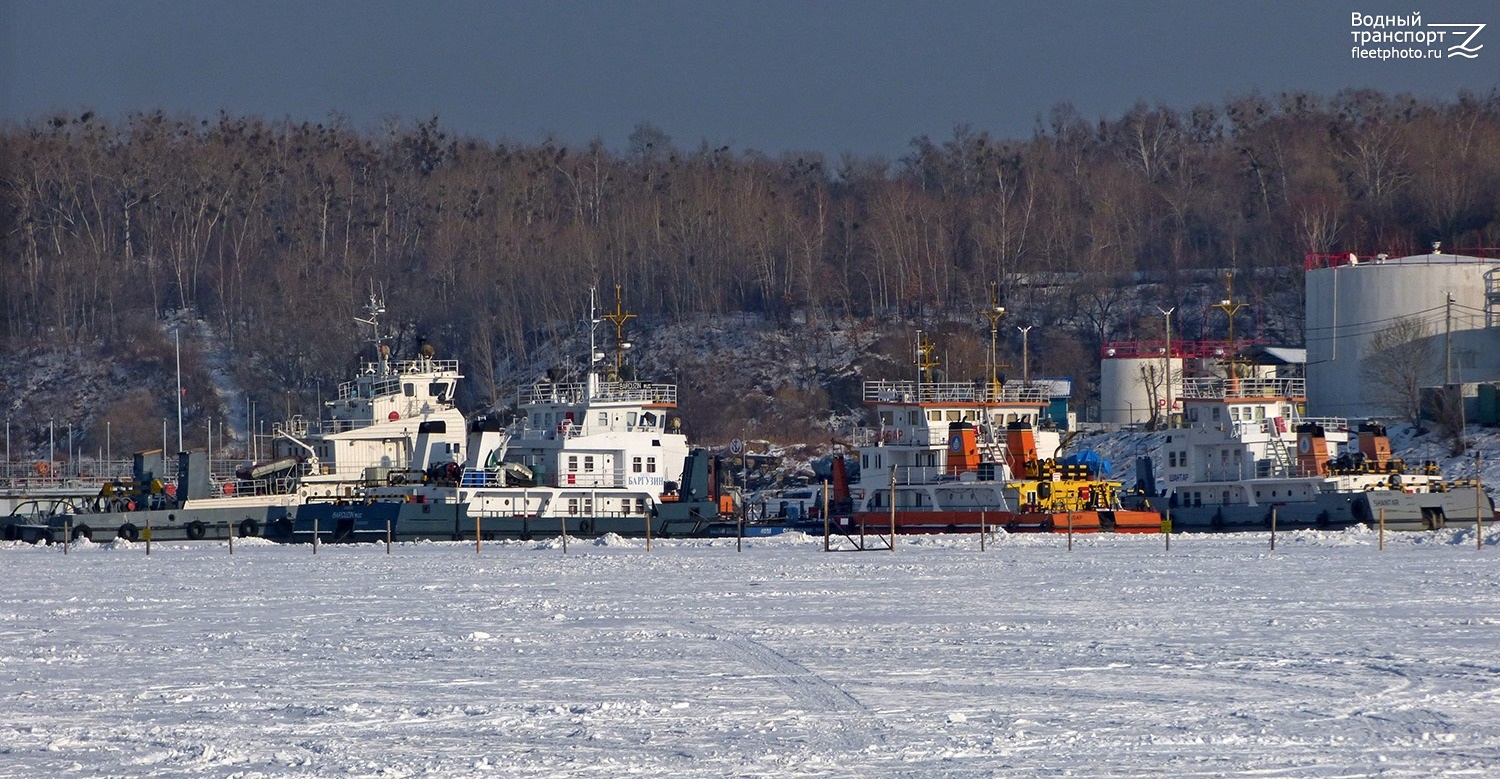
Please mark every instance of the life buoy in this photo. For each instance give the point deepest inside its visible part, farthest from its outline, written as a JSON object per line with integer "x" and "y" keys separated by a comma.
{"x": 249, "y": 528}
{"x": 129, "y": 532}
{"x": 42, "y": 469}
{"x": 195, "y": 530}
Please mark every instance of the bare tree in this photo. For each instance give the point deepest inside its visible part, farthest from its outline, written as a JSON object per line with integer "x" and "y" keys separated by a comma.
{"x": 1402, "y": 359}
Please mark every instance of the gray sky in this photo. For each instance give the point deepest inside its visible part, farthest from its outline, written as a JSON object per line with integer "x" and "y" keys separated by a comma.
{"x": 771, "y": 75}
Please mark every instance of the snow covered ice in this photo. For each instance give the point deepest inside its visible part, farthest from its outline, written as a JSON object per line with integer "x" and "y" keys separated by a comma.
{"x": 1323, "y": 658}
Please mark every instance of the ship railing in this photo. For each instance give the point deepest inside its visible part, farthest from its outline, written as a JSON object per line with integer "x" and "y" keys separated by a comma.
{"x": 955, "y": 392}
{"x": 64, "y": 473}
{"x": 1221, "y": 388}
{"x": 240, "y": 487}
{"x": 373, "y": 382}
{"x": 609, "y": 391}
{"x": 891, "y": 436}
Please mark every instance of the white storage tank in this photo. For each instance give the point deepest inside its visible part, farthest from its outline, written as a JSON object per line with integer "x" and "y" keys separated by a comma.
{"x": 1352, "y": 300}
{"x": 1130, "y": 380}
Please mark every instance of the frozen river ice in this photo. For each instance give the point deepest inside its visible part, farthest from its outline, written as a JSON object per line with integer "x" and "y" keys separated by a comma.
{"x": 1323, "y": 658}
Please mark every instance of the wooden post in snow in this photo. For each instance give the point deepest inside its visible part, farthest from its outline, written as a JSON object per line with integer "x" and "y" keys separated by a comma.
{"x": 1273, "y": 528}
{"x": 893, "y": 509}
{"x": 1382, "y": 530}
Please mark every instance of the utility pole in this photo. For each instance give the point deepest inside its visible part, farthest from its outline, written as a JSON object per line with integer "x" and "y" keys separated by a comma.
{"x": 1167, "y": 359}
{"x": 177, "y": 338}
{"x": 1448, "y": 341}
{"x": 993, "y": 313}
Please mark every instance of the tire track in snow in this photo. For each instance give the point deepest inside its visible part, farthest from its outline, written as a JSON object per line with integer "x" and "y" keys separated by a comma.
{"x": 851, "y": 727}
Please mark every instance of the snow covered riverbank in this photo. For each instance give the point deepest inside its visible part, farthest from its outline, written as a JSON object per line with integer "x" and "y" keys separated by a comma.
{"x": 1325, "y": 657}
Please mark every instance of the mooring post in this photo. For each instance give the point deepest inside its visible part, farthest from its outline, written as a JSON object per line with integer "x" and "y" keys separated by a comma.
{"x": 1166, "y": 527}
{"x": 1070, "y": 531}
{"x": 387, "y": 536}
{"x": 477, "y": 535}
{"x": 648, "y": 532}
{"x": 893, "y": 509}
{"x": 564, "y": 521}
{"x": 1273, "y": 528}
{"x": 67, "y": 536}
{"x": 315, "y": 535}
{"x": 981, "y": 530}
{"x": 1382, "y": 530}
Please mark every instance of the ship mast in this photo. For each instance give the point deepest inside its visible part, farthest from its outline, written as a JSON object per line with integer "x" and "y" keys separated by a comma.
{"x": 373, "y": 311}
{"x": 1230, "y": 307}
{"x": 924, "y": 362}
{"x": 993, "y": 313}
{"x": 618, "y": 318}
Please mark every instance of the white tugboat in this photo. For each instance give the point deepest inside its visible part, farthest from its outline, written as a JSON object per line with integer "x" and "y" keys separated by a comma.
{"x": 952, "y": 457}
{"x": 393, "y": 418}
{"x": 1246, "y": 450}
{"x": 586, "y": 456}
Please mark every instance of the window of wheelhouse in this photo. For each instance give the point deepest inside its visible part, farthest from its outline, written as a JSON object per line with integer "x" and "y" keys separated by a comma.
{"x": 635, "y": 465}
{"x": 408, "y": 389}
{"x": 650, "y": 465}
{"x": 630, "y": 419}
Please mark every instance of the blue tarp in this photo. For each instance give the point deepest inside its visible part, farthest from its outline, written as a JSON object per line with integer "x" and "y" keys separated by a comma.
{"x": 1097, "y": 465}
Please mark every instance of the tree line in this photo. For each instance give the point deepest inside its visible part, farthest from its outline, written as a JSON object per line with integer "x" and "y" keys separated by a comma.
{"x": 275, "y": 231}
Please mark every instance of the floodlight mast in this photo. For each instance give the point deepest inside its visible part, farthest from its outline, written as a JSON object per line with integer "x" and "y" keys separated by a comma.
{"x": 993, "y": 314}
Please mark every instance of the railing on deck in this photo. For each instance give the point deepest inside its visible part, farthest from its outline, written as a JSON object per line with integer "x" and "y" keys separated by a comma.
{"x": 1221, "y": 388}
{"x": 390, "y": 382}
{"x": 955, "y": 392}
{"x": 610, "y": 391}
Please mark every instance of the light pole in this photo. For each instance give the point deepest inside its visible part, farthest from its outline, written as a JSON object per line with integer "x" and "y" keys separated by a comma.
{"x": 1025, "y": 356}
{"x": 993, "y": 313}
{"x": 1167, "y": 359}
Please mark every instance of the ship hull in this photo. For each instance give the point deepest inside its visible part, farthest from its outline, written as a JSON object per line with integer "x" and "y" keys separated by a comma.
{"x": 178, "y": 524}
{"x": 931, "y": 522}
{"x": 1331, "y": 511}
